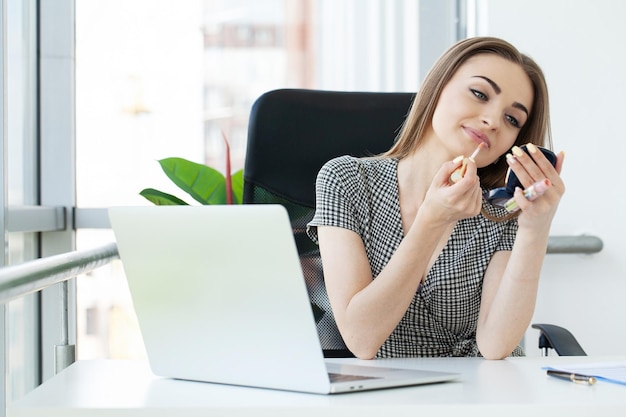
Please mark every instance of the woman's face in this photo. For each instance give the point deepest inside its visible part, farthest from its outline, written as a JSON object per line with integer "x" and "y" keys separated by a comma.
{"x": 487, "y": 100}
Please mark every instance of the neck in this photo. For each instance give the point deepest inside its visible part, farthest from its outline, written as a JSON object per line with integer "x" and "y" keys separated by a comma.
{"x": 419, "y": 167}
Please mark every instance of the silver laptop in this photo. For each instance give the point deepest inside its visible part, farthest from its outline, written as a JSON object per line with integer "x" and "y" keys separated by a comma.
{"x": 220, "y": 297}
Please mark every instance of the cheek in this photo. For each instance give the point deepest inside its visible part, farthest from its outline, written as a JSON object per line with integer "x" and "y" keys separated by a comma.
{"x": 445, "y": 111}
{"x": 436, "y": 120}
{"x": 506, "y": 142}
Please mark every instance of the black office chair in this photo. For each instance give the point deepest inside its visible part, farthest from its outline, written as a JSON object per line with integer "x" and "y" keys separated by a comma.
{"x": 292, "y": 133}
{"x": 558, "y": 338}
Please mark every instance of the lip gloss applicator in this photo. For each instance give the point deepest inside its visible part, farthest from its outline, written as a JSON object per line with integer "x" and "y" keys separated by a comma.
{"x": 460, "y": 171}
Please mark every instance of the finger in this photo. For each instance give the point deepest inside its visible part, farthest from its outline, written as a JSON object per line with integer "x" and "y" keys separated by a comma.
{"x": 459, "y": 171}
{"x": 559, "y": 161}
{"x": 521, "y": 203}
{"x": 534, "y": 172}
{"x": 520, "y": 172}
{"x": 551, "y": 172}
{"x": 470, "y": 181}
{"x": 445, "y": 173}
{"x": 470, "y": 168}
{"x": 541, "y": 160}
{"x": 472, "y": 190}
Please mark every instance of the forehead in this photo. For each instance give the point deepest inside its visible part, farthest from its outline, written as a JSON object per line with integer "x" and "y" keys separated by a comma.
{"x": 509, "y": 76}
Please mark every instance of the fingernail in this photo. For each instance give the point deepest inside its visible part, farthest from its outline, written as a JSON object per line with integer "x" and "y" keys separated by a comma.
{"x": 517, "y": 151}
{"x": 510, "y": 158}
{"x": 532, "y": 148}
{"x": 458, "y": 159}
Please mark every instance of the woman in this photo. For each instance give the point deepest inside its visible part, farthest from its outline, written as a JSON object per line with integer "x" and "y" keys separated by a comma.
{"x": 418, "y": 265}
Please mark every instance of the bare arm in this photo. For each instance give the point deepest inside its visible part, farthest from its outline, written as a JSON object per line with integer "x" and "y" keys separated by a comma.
{"x": 512, "y": 278}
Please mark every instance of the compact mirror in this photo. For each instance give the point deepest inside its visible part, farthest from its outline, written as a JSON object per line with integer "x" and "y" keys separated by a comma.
{"x": 499, "y": 196}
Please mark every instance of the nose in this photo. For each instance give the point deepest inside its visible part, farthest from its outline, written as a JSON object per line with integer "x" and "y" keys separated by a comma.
{"x": 489, "y": 119}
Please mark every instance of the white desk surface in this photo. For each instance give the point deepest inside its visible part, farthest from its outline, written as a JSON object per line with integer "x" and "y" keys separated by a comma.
{"x": 511, "y": 387}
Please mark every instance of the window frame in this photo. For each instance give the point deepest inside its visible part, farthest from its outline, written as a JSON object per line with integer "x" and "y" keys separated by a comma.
{"x": 55, "y": 218}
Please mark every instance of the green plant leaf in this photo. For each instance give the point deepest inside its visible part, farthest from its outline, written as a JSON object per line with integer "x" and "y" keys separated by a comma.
{"x": 160, "y": 198}
{"x": 237, "y": 180}
{"x": 205, "y": 184}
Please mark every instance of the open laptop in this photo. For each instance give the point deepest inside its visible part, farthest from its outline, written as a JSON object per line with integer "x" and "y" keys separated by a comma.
{"x": 220, "y": 297}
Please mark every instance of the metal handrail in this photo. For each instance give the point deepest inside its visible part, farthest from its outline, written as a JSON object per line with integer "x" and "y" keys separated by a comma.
{"x": 19, "y": 280}
{"x": 584, "y": 244}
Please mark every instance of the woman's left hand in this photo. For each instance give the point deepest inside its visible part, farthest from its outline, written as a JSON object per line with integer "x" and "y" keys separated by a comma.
{"x": 530, "y": 169}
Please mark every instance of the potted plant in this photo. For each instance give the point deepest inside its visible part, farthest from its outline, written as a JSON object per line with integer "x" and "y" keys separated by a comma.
{"x": 204, "y": 184}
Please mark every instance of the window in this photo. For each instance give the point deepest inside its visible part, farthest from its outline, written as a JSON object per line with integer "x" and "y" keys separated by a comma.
{"x": 22, "y": 187}
{"x": 166, "y": 78}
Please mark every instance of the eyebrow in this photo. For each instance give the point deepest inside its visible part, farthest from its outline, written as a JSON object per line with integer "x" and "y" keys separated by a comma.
{"x": 498, "y": 90}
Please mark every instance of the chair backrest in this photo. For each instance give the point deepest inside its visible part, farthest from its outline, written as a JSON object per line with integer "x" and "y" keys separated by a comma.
{"x": 292, "y": 133}
{"x": 558, "y": 338}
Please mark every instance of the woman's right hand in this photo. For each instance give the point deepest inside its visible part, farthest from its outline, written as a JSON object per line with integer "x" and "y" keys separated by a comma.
{"x": 449, "y": 202}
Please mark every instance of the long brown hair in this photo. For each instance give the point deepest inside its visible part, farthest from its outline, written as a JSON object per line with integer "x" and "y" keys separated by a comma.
{"x": 536, "y": 130}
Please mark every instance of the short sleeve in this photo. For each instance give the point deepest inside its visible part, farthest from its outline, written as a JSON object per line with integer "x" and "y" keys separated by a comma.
{"x": 333, "y": 205}
{"x": 505, "y": 231}
{"x": 507, "y": 238}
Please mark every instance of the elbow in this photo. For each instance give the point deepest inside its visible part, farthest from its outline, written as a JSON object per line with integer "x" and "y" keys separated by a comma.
{"x": 361, "y": 342}
{"x": 365, "y": 355}
{"x": 493, "y": 351}
{"x": 363, "y": 352}
{"x": 362, "y": 349}
{"x": 494, "y": 356}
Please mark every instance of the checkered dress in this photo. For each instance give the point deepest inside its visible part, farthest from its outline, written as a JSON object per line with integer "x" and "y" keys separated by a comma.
{"x": 362, "y": 195}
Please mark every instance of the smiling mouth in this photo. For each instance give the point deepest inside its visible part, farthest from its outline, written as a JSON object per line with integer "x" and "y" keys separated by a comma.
{"x": 478, "y": 136}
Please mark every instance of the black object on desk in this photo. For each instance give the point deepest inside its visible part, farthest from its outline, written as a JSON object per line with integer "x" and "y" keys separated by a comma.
{"x": 578, "y": 378}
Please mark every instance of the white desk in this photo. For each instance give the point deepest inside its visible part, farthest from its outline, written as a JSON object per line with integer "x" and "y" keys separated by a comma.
{"x": 512, "y": 387}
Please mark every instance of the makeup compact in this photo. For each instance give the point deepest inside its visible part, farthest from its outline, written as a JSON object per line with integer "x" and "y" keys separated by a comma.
{"x": 500, "y": 197}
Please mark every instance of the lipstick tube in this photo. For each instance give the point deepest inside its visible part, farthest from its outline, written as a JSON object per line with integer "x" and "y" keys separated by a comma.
{"x": 531, "y": 193}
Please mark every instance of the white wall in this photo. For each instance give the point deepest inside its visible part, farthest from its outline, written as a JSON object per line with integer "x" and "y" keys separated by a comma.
{"x": 580, "y": 46}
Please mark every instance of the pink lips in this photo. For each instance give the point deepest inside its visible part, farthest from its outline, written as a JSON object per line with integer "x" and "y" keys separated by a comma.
{"x": 477, "y": 135}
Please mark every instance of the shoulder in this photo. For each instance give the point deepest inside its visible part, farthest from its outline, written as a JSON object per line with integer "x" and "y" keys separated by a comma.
{"x": 359, "y": 177}
{"x": 350, "y": 167}
{"x": 341, "y": 164}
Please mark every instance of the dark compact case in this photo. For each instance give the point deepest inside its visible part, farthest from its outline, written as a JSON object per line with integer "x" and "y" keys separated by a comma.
{"x": 499, "y": 196}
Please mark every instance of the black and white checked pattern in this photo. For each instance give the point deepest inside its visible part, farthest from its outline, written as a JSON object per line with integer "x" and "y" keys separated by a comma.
{"x": 362, "y": 195}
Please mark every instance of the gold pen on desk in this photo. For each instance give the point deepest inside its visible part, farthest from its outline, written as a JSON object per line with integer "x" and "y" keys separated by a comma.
{"x": 570, "y": 376}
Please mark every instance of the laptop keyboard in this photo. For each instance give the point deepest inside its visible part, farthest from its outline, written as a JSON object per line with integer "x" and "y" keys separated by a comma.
{"x": 346, "y": 377}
